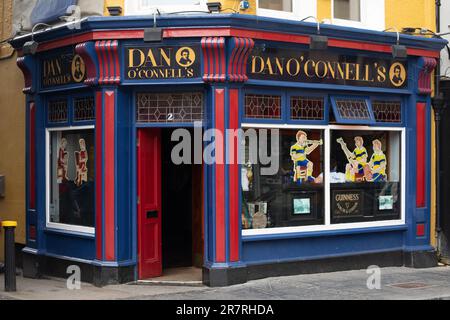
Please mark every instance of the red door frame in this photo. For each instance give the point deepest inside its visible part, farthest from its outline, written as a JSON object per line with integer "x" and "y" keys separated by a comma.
{"x": 149, "y": 203}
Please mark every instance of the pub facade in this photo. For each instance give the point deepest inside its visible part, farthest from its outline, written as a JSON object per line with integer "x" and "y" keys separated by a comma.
{"x": 345, "y": 111}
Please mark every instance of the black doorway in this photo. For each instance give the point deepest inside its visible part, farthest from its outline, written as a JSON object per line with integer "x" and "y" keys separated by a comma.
{"x": 445, "y": 176}
{"x": 176, "y": 208}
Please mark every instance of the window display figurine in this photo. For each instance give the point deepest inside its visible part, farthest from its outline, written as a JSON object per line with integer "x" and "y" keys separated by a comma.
{"x": 378, "y": 163}
{"x": 62, "y": 162}
{"x": 357, "y": 169}
{"x": 81, "y": 158}
{"x": 303, "y": 168}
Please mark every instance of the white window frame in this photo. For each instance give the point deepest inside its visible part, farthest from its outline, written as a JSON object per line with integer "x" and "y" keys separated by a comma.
{"x": 300, "y": 9}
{"x": 369, "y": 20}
{"x": 136, "y": 7}
{"x": 328, "y": 226}
{"x": 55, "y": 225}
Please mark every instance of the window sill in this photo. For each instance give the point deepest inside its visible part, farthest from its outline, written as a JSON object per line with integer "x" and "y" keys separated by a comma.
{"x": 70, "y": 233}
{"x": 353, "y": 24}
{"x": 321, "y": 232}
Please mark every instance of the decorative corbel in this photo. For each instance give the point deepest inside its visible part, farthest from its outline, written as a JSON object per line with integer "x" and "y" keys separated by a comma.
{"x": 25, "y": 64}
{"x": 426, "y": 68}
{"x": 240, "y": 49}
{"x": 109, "y": 64}
{"x": 214, "y": 66}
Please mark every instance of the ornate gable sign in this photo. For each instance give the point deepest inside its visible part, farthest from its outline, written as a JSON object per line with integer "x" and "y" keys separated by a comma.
{"x": 62, "y": 67}
{"x": 327, "y": 68}
{"x": 162, "y": 62}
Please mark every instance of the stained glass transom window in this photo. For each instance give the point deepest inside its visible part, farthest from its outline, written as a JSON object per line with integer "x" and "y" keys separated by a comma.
{"x": 169, "y": 107}
{"x": 84, "y": 109}
{"x": 352, "y": 109}
{"x": 57, "y": 111}
{"x": 387, "y": 111}
{"x": 259, "y": 106}
{"x": 307, "y": 108}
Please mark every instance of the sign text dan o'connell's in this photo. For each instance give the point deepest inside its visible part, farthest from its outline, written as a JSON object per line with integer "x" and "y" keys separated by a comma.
{"x": 327, "y": 68}
{"x": 162, "y": 63}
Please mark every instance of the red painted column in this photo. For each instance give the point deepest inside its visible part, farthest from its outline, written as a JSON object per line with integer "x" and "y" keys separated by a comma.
{"x": 109, "y": 174}
{"x": 220, "y": 176}
{"x": 99, "y": 174}
{"x": 234, "y": 174}
{"x": 420, "y": 155}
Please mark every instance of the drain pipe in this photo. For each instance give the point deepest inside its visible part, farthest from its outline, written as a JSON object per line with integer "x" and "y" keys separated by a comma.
{"x": 439, "y": 105}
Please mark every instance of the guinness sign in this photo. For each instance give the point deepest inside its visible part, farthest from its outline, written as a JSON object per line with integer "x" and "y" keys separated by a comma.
{"x": 325, "y": 67}
{"x": 62, "y": 68}
{"x": 168, "y": 62}
{"x": 347, "y": 203}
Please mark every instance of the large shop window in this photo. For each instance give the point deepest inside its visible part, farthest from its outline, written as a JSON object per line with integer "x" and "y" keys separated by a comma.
{"x": 328, "y": 176}
{"x": 294, "y": 195}
{"x": 71, "y": 164}
{"x": 365, "y": 175}
{"x": 72, "y": 177}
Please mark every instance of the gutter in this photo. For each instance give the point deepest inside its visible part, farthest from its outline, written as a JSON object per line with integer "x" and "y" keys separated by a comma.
{"x": 228, "y": 20}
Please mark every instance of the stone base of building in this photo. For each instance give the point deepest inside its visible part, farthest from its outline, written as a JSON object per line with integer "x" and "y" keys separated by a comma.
{"x": 220, "y": 277}
{"x": 36, "y": 266}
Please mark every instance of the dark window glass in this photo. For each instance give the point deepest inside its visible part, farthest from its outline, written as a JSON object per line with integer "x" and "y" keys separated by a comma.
{"x": 57, "y": 111}
{"x": 72, "y": 177}
{"x": 294, "y": 194}
{"x": 365, "y": 175}
{"x": 258, "y": 106}
{"x": 84, "y": 109}
{"x": 352, "y": 110}
{"x": 280, "y": 5}
{"x": 307, "y": 108}
{"x": 169, "y": 107}
{"x": 387, "y": 111}
{"x": 347, "y": 9}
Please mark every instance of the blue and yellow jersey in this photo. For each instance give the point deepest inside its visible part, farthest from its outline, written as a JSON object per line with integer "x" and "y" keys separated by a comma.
{"x": 359, "y": 155}
{"x": 377, "y": 160}
{"x": 298, "y": 152}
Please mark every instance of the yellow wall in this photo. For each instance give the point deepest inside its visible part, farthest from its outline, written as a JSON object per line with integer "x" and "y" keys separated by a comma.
{"x": 323, "y": 9}
{"x": 410, "y": 13}
{"x": 12, "y": 132}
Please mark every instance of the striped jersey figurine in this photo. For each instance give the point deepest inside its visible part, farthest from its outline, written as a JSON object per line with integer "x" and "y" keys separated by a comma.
{"x": 378, "y": 162}
{"x": 303, "y": 168}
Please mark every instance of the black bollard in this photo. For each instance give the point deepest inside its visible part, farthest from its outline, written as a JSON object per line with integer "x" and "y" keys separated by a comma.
{"x": 10, "y": 256}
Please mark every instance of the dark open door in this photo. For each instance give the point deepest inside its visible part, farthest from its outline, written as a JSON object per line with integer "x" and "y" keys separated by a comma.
{"x": 149, "y": 203}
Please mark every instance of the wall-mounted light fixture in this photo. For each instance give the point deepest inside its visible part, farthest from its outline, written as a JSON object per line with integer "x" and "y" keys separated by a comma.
{"x": 317, "y": 41}
{"x": 214, "y": 7}
{"x": 398, "y": 50}
{"x": 153, "y": 34}
{"x": 31, "y": 47}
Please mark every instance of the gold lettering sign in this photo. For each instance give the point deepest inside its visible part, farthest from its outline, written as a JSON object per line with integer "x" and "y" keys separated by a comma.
{"x": 328, "y": 68}
{"x": 63, "y": 67}
{"x": 153, "y": 63}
